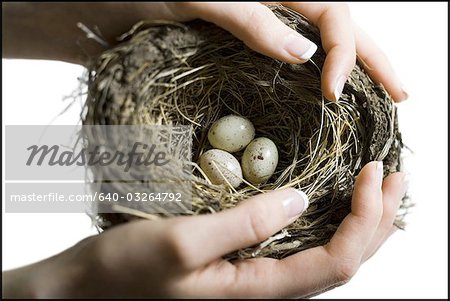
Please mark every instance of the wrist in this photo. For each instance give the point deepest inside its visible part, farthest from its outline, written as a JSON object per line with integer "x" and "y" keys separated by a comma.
{"x": 19, "y": 283}
{"x": 55, "y": 277}
{"x": 116, "y": 18}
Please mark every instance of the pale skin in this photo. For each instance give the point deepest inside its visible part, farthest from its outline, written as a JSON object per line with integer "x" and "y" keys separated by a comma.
{"x": 163, "y": 258}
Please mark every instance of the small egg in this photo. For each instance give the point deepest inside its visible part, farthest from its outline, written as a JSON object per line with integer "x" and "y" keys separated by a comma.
{"x": 231, "y": 133}
{"x": 216, "y": 162}
{"x": 259, "y": 160}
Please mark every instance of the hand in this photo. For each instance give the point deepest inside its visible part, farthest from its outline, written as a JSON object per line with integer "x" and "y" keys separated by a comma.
{"x": 262, "y": 31}
{"x": 181, "y": 257}
{"x": 27, "y": 33}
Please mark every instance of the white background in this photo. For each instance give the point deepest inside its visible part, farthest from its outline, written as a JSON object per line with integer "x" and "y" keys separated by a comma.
{"x": 412, "y": 264}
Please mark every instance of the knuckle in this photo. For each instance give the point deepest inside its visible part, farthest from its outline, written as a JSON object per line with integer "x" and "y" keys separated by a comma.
{"x": 345, "y": 270}
{"x": 109, "y": 249}
{"x": 254, "y": 15}
{"x": 373, "y": 57}
{"x": 348, "y": 55}
{"x": 258, "y": 224}
{"x": 102, "y": 256}
{"x": 255, "y": 21}
{"x": 176, "y": 245}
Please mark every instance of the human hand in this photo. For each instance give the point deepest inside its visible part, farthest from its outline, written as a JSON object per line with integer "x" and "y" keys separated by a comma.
{"x": 262, "y": 31}
{"x": 181, "y": 257}
{"x": 28, "y": 34}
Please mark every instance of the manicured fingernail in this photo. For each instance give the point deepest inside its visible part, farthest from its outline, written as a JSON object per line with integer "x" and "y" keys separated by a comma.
{"x": 300, "y": 47}
{"x": 405, "y": 94}
{"x": 380, "y": 172}
{"x": 339, "y": 87}
{"x": 295, "y": 203}
{"x": 309, "y": 53}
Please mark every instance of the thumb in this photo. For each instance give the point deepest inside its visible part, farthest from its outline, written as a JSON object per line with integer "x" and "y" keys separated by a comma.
{"x": 258, "y": 28}
{"x": 247, "y": 224}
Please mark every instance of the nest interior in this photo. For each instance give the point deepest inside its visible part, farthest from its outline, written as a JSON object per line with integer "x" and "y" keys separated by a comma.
{"x": 194, "y": 73}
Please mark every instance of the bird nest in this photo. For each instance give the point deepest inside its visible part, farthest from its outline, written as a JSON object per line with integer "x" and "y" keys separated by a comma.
{"x": 166, "y": 73}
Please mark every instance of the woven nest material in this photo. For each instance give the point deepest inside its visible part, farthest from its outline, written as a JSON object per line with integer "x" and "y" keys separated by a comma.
{"x": 195, "y": 73}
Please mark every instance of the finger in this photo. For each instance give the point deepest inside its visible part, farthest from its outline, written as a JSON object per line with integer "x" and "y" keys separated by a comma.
{"x": 258, "y": 28}
{"x": 320, "y": 268}
{"x": 338, "y": 41}
{"x": 391, "y": 232}
{"x": 356, "y": 231}
{"x": 347, "y": 246}
{"x": 378, "y": 66}
{"x": 394, "y": 188}
{"x": 196, "y": 241}
{"x": 338, "y": 261}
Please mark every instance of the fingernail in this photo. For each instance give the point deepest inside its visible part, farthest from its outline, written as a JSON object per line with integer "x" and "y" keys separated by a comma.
{"x": 295, "y": 203}
{"x": 339, "y": 87}
{"x": 405, "y": 94}
{"x": 300, "y": 47}
{"x": 380, "y": 172}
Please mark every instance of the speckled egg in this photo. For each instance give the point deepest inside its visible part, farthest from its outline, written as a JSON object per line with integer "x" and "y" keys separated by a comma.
{"x": 219, "y": 165}
{"x": 259, "y": 160}
{"x": 231, "y": 133}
